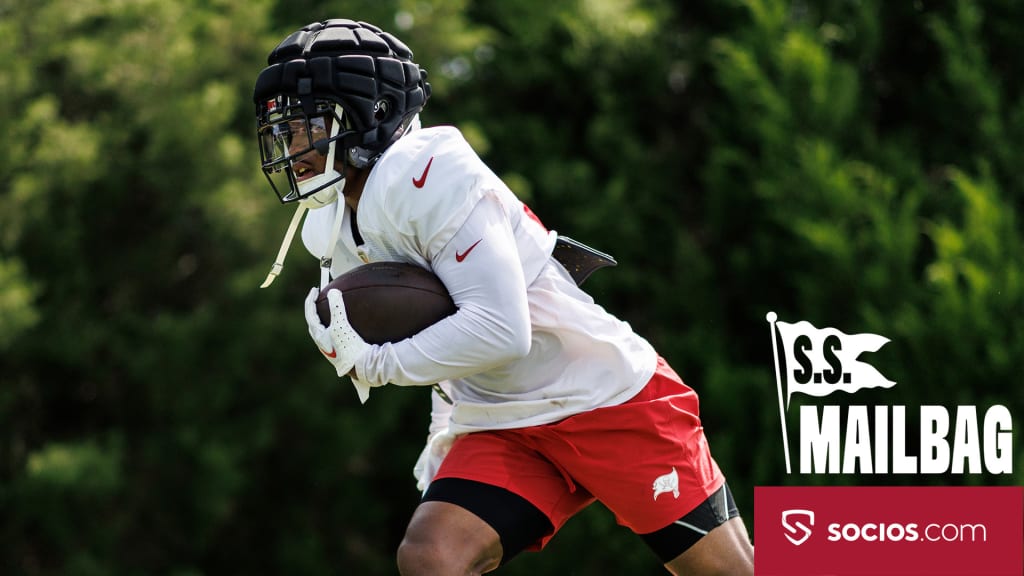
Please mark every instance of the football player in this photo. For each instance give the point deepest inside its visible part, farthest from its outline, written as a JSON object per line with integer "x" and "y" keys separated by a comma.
{"x": 554, "y": 402}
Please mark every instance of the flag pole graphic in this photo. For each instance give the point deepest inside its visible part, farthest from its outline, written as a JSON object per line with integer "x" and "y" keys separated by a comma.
{"x": 772, "y": 317}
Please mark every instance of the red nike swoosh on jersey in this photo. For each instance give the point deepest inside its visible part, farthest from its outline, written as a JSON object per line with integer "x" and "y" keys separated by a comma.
{"x": 461, "y": 257}
{"x": 423, "y": 177}
{"x": 332, "y": 354}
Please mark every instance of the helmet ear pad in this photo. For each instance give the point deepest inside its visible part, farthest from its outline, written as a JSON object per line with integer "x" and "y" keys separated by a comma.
{"x": 381, "y": 110}
{"x": 380, "y": 94}
{"x": 361, "y": 158}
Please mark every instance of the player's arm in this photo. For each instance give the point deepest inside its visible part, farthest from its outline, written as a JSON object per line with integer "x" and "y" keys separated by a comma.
{"x": 480, "y": 267}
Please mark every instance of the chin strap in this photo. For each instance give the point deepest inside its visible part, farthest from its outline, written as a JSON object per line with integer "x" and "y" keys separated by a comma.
{"x": 325, "y": 260}
{"x": 328, "y": 257}
{"x": 285, "y": 244}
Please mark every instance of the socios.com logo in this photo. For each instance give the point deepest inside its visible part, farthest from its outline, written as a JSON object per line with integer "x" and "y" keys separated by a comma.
{"x": 797, "y": 525}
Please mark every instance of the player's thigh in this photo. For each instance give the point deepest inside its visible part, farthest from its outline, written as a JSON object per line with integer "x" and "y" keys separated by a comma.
{"x": 505, "y": 481}
{"x": 445, "y": 536}
{"x": 724, "y": 550}
{"x": 468, "y": 527}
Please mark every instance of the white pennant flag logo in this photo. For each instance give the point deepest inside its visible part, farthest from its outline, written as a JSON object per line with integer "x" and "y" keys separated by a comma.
{"x": 821, "y": 361}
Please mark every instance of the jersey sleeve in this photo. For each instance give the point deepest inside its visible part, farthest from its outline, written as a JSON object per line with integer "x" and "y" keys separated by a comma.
{"x": 480, "y": 266}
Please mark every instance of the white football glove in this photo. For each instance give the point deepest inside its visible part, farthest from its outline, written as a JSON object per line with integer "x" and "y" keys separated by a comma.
{"x": 338, "y": 342}
{"x": 430, "y": 459}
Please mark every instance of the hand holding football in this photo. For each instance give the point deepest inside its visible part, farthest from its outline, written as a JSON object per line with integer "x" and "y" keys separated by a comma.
{"x": 389, "y": 301}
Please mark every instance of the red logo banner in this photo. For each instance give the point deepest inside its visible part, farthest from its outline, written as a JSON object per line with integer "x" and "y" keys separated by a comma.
{"x": 905, "y": 531}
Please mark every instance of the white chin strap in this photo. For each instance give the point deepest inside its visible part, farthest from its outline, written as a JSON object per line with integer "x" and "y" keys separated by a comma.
{"x": 328, "y": 257}
{"x": 324, "y": 197}
{"x": 325, "y": 260}
{"x": 283, "y": 251}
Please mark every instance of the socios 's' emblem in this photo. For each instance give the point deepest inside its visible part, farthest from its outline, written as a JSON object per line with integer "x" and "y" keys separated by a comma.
{"x": 797, "y": 525}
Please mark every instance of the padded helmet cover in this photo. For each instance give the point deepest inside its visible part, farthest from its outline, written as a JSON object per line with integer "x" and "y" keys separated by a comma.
{"x": 367, "y": 71}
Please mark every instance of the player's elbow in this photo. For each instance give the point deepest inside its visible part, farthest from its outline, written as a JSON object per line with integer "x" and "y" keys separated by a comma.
{"x": 517, "y": 339}
{"x": 501, "y": 339}
{"x": 505, "y": 346}
{"x": 518, "y": 346}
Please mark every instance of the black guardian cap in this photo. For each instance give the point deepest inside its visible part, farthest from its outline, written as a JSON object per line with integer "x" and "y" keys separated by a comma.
{"x": 353, "y": 76}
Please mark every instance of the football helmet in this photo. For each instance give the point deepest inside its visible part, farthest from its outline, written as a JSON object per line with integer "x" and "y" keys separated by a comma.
{"x": 333, "y": 90}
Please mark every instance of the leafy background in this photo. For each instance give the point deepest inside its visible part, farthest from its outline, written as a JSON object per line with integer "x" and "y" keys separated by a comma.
{"x": 852, "y": 163}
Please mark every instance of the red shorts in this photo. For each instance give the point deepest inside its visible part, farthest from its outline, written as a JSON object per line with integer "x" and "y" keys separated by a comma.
{"x": 647, "y": 459}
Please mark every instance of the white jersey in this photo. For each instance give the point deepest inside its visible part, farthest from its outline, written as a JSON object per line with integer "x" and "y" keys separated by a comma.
{"x": 526, "y": 346}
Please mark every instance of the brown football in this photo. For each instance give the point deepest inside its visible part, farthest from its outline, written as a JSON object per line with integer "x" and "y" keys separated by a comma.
{"x": 389, "y": 301}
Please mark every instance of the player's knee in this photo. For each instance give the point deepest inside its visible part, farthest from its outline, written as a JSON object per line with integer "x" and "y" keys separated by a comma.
{"x": 443, "y": 538}
{"x": 421, "y": 556}
{"x": 417, "y": 557}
